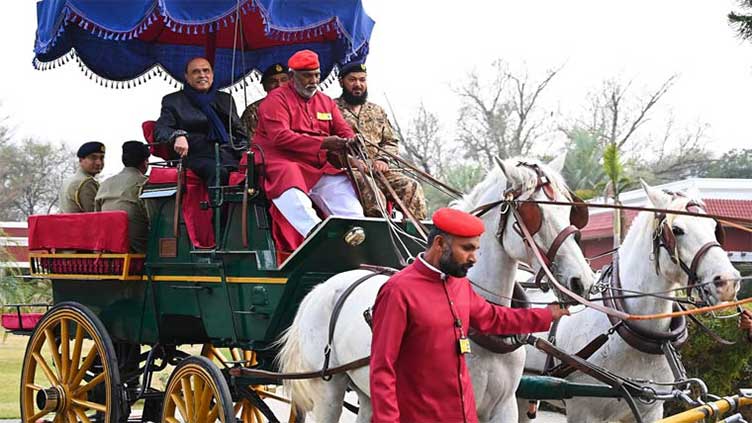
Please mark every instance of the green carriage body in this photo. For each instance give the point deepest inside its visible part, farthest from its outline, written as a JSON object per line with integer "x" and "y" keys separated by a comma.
{"x": 230, "y": 296}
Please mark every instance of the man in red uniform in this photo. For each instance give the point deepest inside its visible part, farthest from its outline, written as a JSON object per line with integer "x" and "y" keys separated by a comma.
{"x": 420, "y": 321}
{"x": 297, "y": 126}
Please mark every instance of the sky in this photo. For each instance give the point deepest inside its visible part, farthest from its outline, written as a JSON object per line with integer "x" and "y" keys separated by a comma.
{"x": 421, "y": 50}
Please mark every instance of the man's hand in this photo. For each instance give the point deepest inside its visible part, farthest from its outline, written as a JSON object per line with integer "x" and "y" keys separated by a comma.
{"x": 381, "y": 166}
{"x": 558, "y": 310}
{"x": 334, "y": 143}
{"x": 181, "y": 146}
{"x": 745, "y": 320}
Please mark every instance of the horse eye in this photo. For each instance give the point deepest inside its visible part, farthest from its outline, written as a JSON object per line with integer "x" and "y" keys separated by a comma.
{"x": 677, "y": 230}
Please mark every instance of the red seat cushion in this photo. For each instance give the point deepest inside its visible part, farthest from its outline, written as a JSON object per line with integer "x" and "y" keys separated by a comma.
{"x": 161, "y": 149}
{"x": 28, "y": 321}
{"x": 97, "y": 231}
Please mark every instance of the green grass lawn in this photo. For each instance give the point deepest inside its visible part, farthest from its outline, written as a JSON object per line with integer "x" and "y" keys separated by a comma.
{"x": 11, "y": 362}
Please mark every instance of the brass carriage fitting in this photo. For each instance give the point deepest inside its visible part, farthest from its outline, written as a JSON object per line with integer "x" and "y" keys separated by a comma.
{"x": 49, "y": 399}
{"x": 355, "y": 236}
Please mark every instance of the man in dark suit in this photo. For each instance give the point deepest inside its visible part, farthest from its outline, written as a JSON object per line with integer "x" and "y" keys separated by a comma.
{"x": 197, "y": 117}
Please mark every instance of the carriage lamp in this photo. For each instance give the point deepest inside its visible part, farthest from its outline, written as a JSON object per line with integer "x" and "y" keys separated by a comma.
{"x": 355, "y": 236}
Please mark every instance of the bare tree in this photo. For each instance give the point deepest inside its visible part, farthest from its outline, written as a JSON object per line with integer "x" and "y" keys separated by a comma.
{"x": 676, "y": 155}
{"x": 501, "y": 118}
{"x": 614, "y": 114}
{"x": 31, "y": 177}
{"x": 423, "y": 144}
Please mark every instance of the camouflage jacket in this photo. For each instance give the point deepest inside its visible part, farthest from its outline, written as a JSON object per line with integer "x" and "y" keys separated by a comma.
{"x": 373, "y": 124}
{"x": 250, "y": 118}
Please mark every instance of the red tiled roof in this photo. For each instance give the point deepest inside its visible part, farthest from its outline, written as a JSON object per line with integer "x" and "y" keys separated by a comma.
{"x": 730, "y": 208}
{"x": 601, "y": 226}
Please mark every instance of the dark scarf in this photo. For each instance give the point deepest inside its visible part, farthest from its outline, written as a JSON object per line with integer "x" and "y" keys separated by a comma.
{"x": 204, "y": 101}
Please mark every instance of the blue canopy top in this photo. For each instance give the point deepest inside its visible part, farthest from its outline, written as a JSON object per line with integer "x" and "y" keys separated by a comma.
{"x": 124, "y": 42}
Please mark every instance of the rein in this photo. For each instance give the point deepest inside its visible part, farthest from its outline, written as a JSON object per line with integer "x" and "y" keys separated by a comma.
{"x": 512, "y": 204}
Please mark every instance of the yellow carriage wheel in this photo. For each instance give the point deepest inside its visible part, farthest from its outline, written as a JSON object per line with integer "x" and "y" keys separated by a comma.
{"x": 70, "y": 371}
{"x": 226, "y": 358}
{"x": 197, "y": 392}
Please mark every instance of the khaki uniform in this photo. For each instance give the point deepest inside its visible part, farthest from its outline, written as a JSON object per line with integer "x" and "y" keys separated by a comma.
{"x": 250, "y": 118}
{"x": 121, "y": 192}
{"x": 373, "y": 124}
{"x": 78, "y": 192}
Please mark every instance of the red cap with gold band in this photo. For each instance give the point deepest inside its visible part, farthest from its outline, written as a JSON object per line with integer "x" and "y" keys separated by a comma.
{"x": 304, "y": 60}
{"x": 458, "y": 223}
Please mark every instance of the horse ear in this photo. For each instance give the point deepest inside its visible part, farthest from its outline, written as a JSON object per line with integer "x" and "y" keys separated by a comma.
{"x": 658, "y": 198}
{"x": 557, "y": 164}
{"x": 508, "y": 172}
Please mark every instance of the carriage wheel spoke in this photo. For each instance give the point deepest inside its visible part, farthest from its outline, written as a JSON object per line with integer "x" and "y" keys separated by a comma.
{"x": 257, "y": 413}
{"x": 188, "y": 397}
{"x": 235, "y": 354}
{"x": 199, "y": 389}
{"x": 33, "y": 387}
{"x": 53, "y": 349}
{"x": 46, "y": 369}
{"x": 89, "y": 405}
{"x": 213, "y": 413}
{"x": 206, "y": 396}
{"x": 89, "y": 386}
{"x": 71, "y": 416}
{"x": 180, "y": 404}
{"x": 82, "y": 417}
{"x": 64, "y": 353}
{"x": 37, "y": 416}
{"x": 172, "y": 420}
{"x": 85, "y": 366}
{"x": 77, "y": 345}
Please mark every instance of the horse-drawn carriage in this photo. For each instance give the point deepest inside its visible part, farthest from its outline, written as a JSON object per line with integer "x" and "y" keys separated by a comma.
{"x": 118, "y": 318}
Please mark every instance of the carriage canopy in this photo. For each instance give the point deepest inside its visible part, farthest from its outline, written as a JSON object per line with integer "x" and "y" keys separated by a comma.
{"x": 122, "y": 43}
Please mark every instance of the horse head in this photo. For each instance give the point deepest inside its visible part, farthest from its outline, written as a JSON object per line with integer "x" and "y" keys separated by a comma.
{"x": 555, "y": 228}
{"x": 688, "y": 250}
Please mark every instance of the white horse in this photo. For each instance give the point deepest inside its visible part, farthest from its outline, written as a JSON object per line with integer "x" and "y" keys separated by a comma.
{"x": 638, "y": 273}
{"x": 495, "y": 377}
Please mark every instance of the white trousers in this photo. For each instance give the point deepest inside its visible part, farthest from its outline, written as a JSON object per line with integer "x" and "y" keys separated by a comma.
{"x": 333, "y": 194}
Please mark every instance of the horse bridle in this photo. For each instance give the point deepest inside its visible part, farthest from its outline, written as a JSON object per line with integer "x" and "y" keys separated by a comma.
{"x": 531, "y": 215}
{"x": 664, "y": 237}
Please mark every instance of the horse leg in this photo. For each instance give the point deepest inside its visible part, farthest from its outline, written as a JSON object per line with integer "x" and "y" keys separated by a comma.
{"x": 505, "y": 411}
{"x": 364, "y": 411}
{"x": 330, "y": 399}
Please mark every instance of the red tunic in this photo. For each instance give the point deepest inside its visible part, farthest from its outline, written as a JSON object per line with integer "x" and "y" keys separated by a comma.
{"x": 290, "y": 131}
{"x": 417, "y": 373}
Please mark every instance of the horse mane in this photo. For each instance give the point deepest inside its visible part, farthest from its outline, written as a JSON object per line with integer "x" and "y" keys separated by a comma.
{"x": 520, "y": 176}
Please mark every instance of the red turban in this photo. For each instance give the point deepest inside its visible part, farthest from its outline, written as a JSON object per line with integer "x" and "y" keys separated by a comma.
{"x": 458, "y": 223}
{"x": 304, "y": 60}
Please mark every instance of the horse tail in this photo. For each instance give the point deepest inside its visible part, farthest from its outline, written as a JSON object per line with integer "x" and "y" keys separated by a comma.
{"x": 291, "y": 359}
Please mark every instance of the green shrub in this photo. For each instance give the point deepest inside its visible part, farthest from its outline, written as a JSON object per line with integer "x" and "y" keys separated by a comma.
{"x": 724, "y": 368}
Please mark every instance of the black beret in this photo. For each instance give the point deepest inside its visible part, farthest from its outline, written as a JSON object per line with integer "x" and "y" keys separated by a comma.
{"x": 352, "y": 67}
{"x": 89, "y": 148}
{"x": 134, "y": 153}
{"x": 272, "y": 70}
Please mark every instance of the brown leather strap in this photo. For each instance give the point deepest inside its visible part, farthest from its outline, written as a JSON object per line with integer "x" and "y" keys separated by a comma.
{"x": 696, "y": 260}
{"x": 554, "y": 248}
{"x": 245, "y": 371}
{"x": 563, "y": 370}
{"x": 503, "y": 344}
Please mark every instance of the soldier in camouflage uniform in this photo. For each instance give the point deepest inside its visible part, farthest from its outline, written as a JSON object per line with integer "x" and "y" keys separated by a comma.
{"x": 274, "y": 76}
{"x": 370, "y": 121}
{"x": 78, "y": 191}
{"x": 122, "y": 191}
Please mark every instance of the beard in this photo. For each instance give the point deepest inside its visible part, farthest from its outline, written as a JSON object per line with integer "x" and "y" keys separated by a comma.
{"x": 448, "y": 265}
{"x": 355, "y": 100}
{"x": 306, "y": 91}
